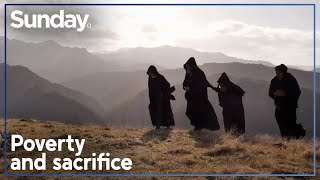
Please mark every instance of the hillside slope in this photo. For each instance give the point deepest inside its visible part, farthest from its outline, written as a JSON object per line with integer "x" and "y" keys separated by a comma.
{"x": 31, "y": 96}
{"x": 175, "y": 151}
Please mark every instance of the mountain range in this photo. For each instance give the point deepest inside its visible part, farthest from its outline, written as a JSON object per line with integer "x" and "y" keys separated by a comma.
{"x": 52, "y": 61}
{"x": 259, "y": 108}
{"x": 114, "y": 88}
{"x": 58, "y": 63}
{"x": 48, "y": 81}
{"x": 124, "y": 95}
{"x": 171, "y": 57}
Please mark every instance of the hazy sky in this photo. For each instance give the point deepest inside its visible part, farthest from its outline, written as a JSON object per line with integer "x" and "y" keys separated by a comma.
{"x": 276, "y": 34}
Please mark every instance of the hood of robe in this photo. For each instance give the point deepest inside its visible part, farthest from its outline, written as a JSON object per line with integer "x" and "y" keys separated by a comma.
{"x": 152, "y": 69}
{"x": 282, "y": 68}
{"x": 191, "y": 62}
{"x": 224, "y": 79}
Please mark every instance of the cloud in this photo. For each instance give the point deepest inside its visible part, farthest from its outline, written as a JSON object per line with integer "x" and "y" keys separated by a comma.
{"x": 149, "y": 28}
{"x": 254, "y": 42}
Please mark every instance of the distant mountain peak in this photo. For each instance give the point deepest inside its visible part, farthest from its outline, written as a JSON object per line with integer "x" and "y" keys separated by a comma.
{"x": 50, "y": 42}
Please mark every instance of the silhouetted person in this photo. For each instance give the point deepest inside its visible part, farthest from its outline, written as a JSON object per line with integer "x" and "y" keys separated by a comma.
{"x": 285, "y": 91}
{"x": 160, "y": 95}
{"x": 230, "y": 99}
{"x": 199, "y": 109}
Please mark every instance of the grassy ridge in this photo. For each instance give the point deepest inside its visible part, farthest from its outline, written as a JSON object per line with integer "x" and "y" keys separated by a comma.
{"x": 173, "y": 151}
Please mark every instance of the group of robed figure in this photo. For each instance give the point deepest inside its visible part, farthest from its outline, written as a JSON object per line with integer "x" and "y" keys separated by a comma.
{"x": 284, "y": 89}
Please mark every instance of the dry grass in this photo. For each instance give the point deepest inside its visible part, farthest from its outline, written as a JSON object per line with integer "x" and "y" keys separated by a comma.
{"x": 174, "y": 151}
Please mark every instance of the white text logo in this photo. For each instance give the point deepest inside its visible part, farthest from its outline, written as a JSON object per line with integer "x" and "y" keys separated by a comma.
{"x": 55, "y": 21}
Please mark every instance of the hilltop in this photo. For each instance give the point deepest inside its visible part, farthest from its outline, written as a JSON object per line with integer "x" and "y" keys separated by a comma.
{"x": 174, "y": 150}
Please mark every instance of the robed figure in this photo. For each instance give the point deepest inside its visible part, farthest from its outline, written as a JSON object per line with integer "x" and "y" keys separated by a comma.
{"x": 285, "y": 91}
{"x": 160, "y": 96}
{"x": 230, "y": 99}
{"x": 199, "y": 109}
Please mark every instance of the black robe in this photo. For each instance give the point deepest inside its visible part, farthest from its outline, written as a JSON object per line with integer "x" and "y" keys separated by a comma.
{"x": 230, "y": 99}
{"x": 286, "y": 106}
{"x": 160, "y": 107}
{"x": 199, "y": 109}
